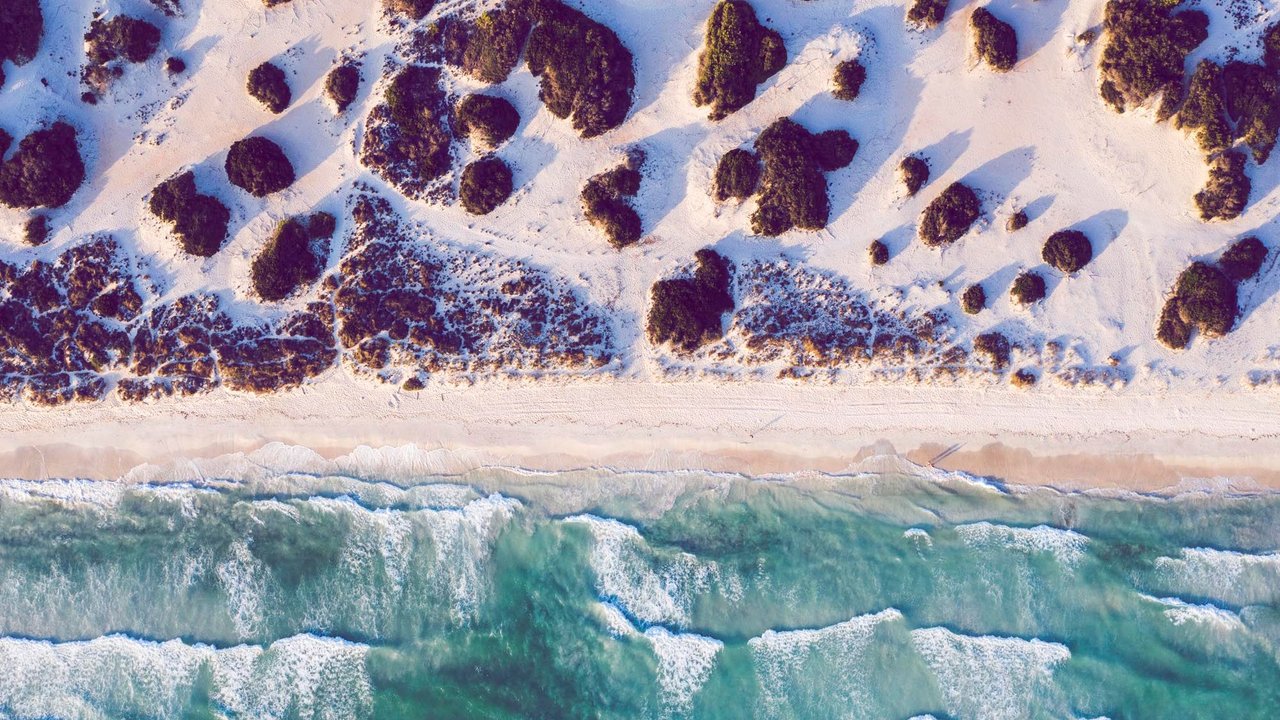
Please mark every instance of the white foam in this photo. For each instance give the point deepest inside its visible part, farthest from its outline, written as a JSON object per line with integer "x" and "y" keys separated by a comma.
{"x": 1180, "y": 612}
{"x": 783, "y": 659}
{"x": 650, "y": 589}
{"x": 1224, "y": 576}
{"x": 918, "y": 536}
{"x": 1066, "y": 546}
{"x": 120, "y": 676}
{"x": 685, "y": 661}
{"x": 244, "y": 579}
{"x": 985, "y": 677}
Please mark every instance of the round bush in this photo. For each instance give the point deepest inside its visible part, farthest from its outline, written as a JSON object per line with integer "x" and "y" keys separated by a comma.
{"x": 995, "y": 41}
{"x": 287, "y": 262}
{"x": 342, "y": 85}
{"x": 268, "y": 85}
{"x": 1207, "y": 299}
{"x": 1028, "y": 288}
{"x": 835, "y": 149}
{"x": 974, "y": 299}
{"x": 879, "y": 253}
{"x": 1244, "y": 259}
{"x": 737, "y": 175}
{"x": 175, "y": 65}
{"x": 490, "y": 119}
{"x": 1067, "y": 250}
{"x": 1017, "y": 221}
{"x": 848, "y": 80}
{"x": 486, "y": 184}
{"x": 258, "y": 166}
{"x": 949, "y": 216}
{"x": 915, "y": 173}
{"x": 45, "y": 171}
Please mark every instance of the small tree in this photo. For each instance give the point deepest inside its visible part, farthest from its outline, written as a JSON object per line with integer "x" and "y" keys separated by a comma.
{"x": 1028, "y": 288}
{"x": 879, "y": 253}
{"x": 949, "y": 216}
{"x": 258, "y": 166}
{"x": 994, "y": 40}
{"x": 1243, "y": 260}
{"x": 740, "y": 54}
{"x": 1067, "y": 250}
{"x": 974, "y": 299}
{"x": 489, "y": 119}
{"x": 927, "y": 13}
{"x": 915, "y": 173}
{"x": 288, "y": 261}
{"x": 688, "y": 312}
{"x": 737, "y": 175}
{"x": 848, "y": 79}
{"x": 343, "y": 84}
{"x": 45, "y": 171}
{"x": 486, "y": 184}
{"x": 268, "y": 85}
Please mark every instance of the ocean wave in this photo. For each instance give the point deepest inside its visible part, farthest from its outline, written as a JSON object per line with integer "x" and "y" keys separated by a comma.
{"x": 1224, "y": 576}
{"x": 685, "y": 660}
{"x": 121, "y": 676}
{"x": 830, "y": 661}
{"x": 985, "y": 677}
{"x": 1066, "y": 546}
{"x": 1180, "y": 612}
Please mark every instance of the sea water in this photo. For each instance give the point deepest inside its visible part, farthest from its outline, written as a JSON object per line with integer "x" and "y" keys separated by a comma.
{"x": 607, "y": 595}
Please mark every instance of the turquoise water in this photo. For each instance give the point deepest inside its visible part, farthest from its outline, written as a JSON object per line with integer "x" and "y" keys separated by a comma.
{"x": 594, "y": 595}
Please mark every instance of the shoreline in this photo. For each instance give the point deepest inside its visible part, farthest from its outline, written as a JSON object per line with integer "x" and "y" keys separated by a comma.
{"x": 1143, "y": 442}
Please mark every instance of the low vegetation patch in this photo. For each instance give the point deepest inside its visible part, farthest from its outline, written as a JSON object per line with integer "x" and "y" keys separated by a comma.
{"x": 848, "y": 79}
{"x": 994, "y": 40}
{"x": 1204, "y": 110}
{"x": 974, "y": 299}
{"x": 1252, "y": 95}
{"x": 1147, "y": 46}
{"x": 1017, "y": 221}
{"x": 605, "y": 201}
{"x": 793, "y": 187}
{"x": 585, "y": 72}
{"x": 1271, "y": 47}
{"x": 45, "y": 171}
{"x": 293, "y": 257}
{"x": 688, "y": 312}
{"x": 408, "y": 141}
{"x": 915, "y": 173}
{"x": 342, "y": 85}
{"x": 927, "y": 13}
{"x": 269, "y": 86}
{"x": 199, "y": 221}
{"x": 995, "y": 347}
{"x": 258, "y": 166}
{"x": 412, "y": 9}
{"x": 23, "y": 25}
{"x": 1243, "y": 259}
{"x": 949, "y": 216}
{"x": 489, "y": 48}
{"x": 878, "y": 253}
{"x": 737, "y": 175}
{"x": 36, "y": 230}
{"x": 486, "y": 184}
{"x": 488, "y": 119}
{"x": 1226, "y": 194}
{"x": 740, "y": 53}
{"x": 121, "y": 38}
{"x": 1067, "y": 250}
{"x": 1028, "y": 288}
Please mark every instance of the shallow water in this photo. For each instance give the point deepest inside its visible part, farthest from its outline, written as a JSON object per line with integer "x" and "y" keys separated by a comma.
{"x": 625, "y": 596}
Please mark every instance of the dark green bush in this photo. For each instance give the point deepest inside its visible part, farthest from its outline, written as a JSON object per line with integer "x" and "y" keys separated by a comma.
{"x": 1067, "y": 250}
{"x": 1252, "y": 95}
{"x": 994, "y": 40}
{"x": 293, "y": 257}
{"x": 1146, "y": 48}
{"x": 343, "y": 85}
{"x": 949, "y": 216}
{"x": 878, "y": 253}
{"x": 258, "y": 166}
{"x": 1207, "y": 299}
{"x": 927, "y": 13}
{"x": 321, "y": 225}
{"x": 740, "y": 54}
{"x": 915, "y": 173}
{"x": 36, "y": 230}
{"x": 1226, "y": 194}
{"x": 23, "y": 26}
{"x": 585, "y": 71}
{"x": 737, "y": 175}
{"x": 1171, "y": 329}
{"x": 199, "y": 221}
{"x": 492, "y": 45}
{"x": 793, "y": 188}
{"x": 268, "y": 85}
{"x": 974, "y": 299}
{"x": 848, "y": 80}
{"x": 486, "y": 184}
{"x": 175, "y": 65}
{"x": 604, "y": 202}
{"x": 413, "y": 9}
{"x": 1204, "y": 109}
{"x": 417, "y": 107}
{"x": 121, "y": 37}
{"x": 995, "y": 346}
{"x": 45, "y": 171}
{"x": 1028, "y": 288}
{"x": 489, "y": 119}
{"x": 834, "y": 149}
{"x": 1243, "y": 260}
{"x": 688, "y": 312}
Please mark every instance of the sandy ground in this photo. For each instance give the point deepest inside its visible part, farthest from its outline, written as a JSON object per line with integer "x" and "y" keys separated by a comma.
{"x": 1129, "y": 440}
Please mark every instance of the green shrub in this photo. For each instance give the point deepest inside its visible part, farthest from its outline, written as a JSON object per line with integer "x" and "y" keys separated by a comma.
{"x": 1146, "y": 49}
{"x": 739, "y": 55}
{"x": 23, "y": 26}
{"x": 489, "y": 119}
{"x": 258, "y": 166}
{"x": 492, "y": 45}
{"x": 949, "y": 216}
{"x": 604, "y": 202}
{"x": 688, "y": 312}
{"x": 1271, "y": 47}
{"x": 417, "y": 108}
{"x": 585, "y": 71}
{"x": 974, "y": 299}
{"x": 793, "y": 188}
{"x": 486, "y": 184}
{"x": 1243, "y": 260}
{"x": 1171, "y": 329}
{"x": 915, "y": 173}
{"x": 1067, "y": 250}
{"x": 199, "y": 221}
{"x": 878, "y": 253}
{"x": 343, "y": 85}
{"x": 1017, "y": 221}
{"x": 737, "y": 175}
{"x": 289, "y": 260}
{"x": 848, "y": 80}
{"x": 1226, "y": 194}
{"x": 36, "y": 230}
{"x": 927, "y": 13}
{"x": 121, "y": 37}
{"x": 1204, "y": 109}
{"x": 994, "y": 40}
{"x": 1207, "y": 299}
{"x": 268, "y": 85}
{"x": 995, "y": 346}
{"x": 321, "y": 225}
{"x": 45, "y": 171}
{"x": 414, "y": 9}
{"x": 1028, "y": 288}
{"x": 1252, "y": 95}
